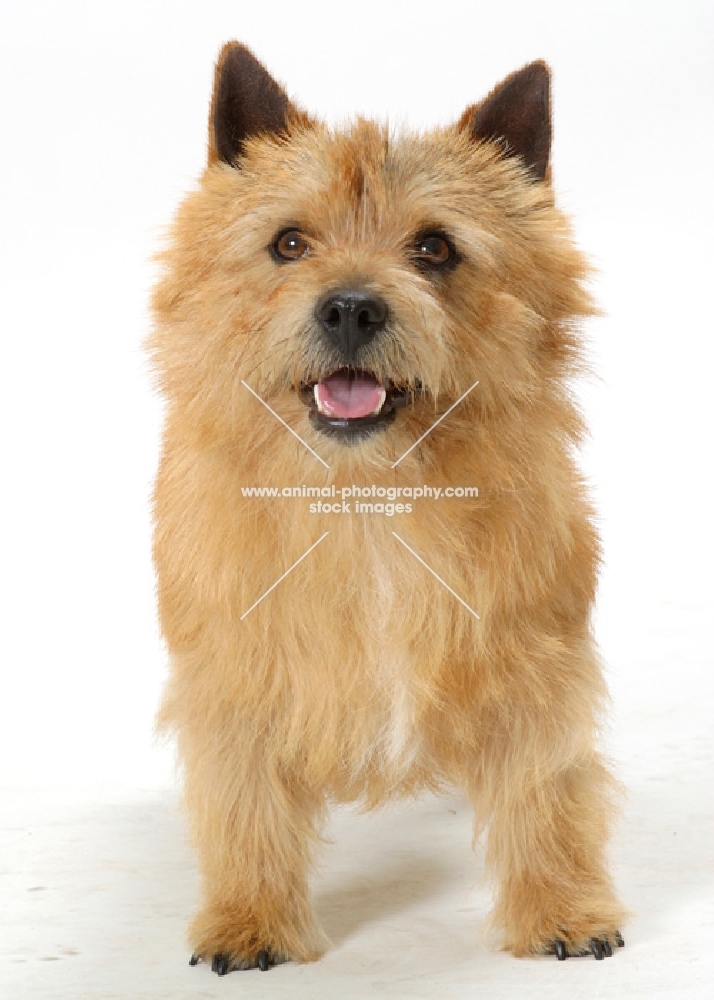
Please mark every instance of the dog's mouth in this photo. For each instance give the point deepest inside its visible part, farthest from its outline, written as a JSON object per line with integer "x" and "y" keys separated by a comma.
{"x": 352, "y": 401}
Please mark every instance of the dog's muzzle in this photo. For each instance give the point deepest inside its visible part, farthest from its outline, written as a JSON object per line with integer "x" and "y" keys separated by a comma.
{"x": 351, "y": 402}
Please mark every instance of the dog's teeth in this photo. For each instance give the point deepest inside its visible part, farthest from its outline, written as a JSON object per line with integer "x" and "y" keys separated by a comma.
{"x": 382, "y": 397}
{"x": 319, "y": 405}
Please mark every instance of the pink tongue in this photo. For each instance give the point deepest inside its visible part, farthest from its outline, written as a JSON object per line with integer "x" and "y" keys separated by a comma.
{"x": 353, "y": 395}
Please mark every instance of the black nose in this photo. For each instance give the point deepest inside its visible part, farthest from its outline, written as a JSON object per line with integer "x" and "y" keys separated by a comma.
{"x": 351, "y": 318}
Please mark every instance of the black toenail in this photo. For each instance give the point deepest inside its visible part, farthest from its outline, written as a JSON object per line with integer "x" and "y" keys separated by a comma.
{"x": 221, "y": 964}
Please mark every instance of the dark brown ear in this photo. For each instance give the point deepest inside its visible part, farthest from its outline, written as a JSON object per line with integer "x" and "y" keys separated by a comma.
{"x": 517, "y": 113}
{"x": 246, "y": 101}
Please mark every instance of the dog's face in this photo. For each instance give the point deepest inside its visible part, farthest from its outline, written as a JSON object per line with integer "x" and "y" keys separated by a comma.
{"x": 358, "y": 281}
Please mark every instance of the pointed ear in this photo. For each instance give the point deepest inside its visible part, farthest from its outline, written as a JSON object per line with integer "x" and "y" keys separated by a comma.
{"x": 517, "y": 112}
{"x": 246, "y": 101}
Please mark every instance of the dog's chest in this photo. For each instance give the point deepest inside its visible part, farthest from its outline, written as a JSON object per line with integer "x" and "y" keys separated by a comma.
{"x": 397, "y": 742}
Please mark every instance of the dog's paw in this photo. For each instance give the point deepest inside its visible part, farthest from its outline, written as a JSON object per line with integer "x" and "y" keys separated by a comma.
{"x": 228, "y": 936}
{"x": 599, "y": 947}
{"x": 224, "y": 962}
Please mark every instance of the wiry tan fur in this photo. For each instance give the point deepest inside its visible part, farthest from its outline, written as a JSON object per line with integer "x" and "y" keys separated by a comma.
{"x": 360, "y": 678}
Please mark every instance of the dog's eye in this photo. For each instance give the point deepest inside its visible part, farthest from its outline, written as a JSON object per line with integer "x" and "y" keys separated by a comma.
{"x": 290, "y": 245}
{"x": 433, "y": 250}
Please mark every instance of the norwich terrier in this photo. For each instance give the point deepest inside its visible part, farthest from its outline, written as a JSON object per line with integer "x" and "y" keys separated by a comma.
{"x": 381, "y": 315}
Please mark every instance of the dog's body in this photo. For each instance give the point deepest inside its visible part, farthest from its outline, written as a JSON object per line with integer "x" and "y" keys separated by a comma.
{"x": 350, "y": 269}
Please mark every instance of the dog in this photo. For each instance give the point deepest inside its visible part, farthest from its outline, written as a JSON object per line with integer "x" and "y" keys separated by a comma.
{"x": 364, "y": 311}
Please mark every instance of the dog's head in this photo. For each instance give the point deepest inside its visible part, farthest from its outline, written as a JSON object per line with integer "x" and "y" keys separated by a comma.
{"x": 362, "y": 282}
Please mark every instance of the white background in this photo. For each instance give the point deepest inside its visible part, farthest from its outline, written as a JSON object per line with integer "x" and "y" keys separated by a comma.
{"x": 103, "y": 127}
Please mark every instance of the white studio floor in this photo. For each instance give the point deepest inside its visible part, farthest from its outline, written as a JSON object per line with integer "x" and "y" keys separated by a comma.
{"x": 97, "y": 888}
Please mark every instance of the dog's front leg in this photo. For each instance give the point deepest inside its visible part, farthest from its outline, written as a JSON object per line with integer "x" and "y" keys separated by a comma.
{"x": 253, "y": 824}
{"x": 546, "y": 847}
